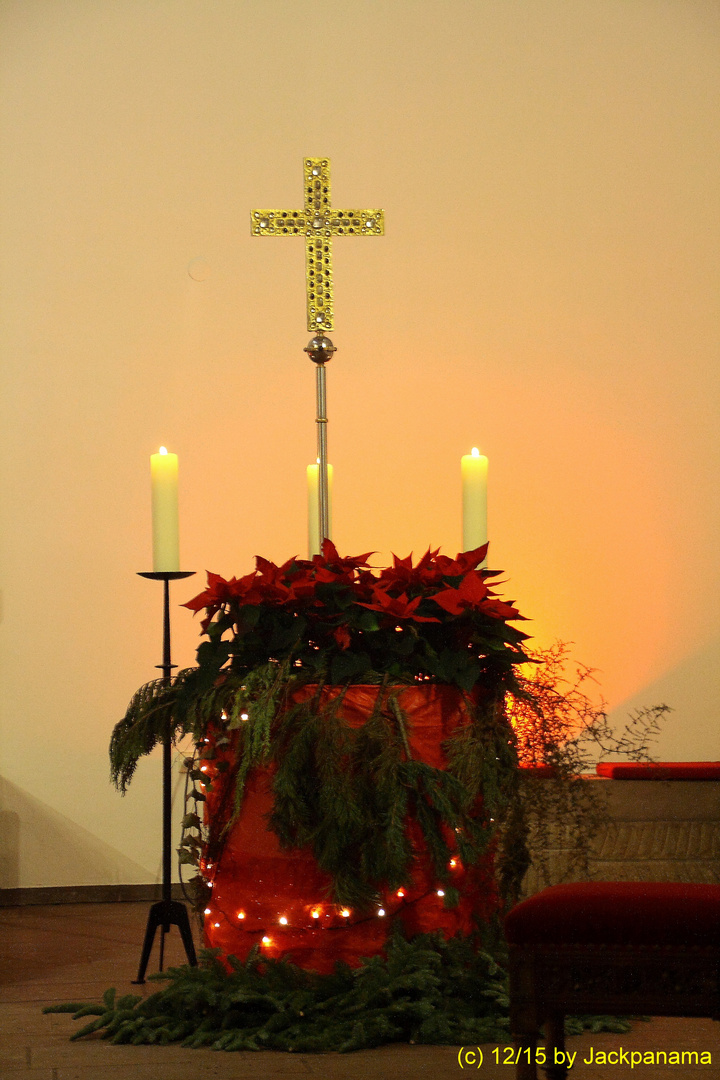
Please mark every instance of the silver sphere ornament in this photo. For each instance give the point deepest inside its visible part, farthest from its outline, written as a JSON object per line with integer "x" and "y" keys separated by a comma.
{"x": 320, "y": 349}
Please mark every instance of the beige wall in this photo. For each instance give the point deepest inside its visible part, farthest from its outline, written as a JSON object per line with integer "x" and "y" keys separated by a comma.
{"x": 547, "y": 290}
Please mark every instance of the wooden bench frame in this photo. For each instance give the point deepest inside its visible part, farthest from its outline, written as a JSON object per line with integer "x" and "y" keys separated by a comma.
{"x": 551, "y": 981}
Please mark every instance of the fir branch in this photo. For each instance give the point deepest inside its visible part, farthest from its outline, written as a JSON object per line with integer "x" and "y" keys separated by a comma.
{"x": 426, "y": 991}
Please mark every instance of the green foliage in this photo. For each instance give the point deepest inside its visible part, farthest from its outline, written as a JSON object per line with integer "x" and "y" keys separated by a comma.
{"x": 188, "y": 705}
{"x": 427, "y": 991}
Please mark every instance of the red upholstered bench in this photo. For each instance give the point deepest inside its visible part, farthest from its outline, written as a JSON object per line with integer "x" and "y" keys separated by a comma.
{"x": 618, "y": 947}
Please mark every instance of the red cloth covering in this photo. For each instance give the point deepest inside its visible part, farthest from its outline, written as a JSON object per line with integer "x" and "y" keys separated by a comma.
{"x": 618, "y": 913}
{"x": 660, "y": 770}
{"x": 257, "y": 883}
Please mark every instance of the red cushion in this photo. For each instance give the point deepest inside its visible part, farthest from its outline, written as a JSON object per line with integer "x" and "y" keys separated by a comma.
{"x": 660, "y": 770}
{"x": 618, "y": 912}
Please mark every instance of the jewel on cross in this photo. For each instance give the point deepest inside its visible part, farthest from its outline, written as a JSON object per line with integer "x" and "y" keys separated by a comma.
{"x": 318, "y": 222}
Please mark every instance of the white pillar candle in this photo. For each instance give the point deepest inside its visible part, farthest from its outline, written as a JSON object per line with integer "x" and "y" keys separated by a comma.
{"x": 474, "y": 468}
{"x": 313, "y": 486}
{"x": 164, "y": 478}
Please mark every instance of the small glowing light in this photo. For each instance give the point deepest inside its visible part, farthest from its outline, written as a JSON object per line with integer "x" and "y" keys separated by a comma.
{"x": 345, "y": 913}
{"x": 401, "y": 893}
{"x": 315, "y": 913}
{"x": 283, "y": 920}
{"x": 241, "y": 914}
{"x": 163, "y": 450}
{"x": 441, "y": 892}
{"x": 244, "y": 716}
{"x": 203, "y": 768}
{"x": 398, "y": 629}
{"x": 381, "y": 911}
{"x": 267, "y": 941}
{"x": 223, "y": 716}
{"x": 453, "y": 864}
{"x": 217, "y": 924}
{"x": 207, "y": 910}
{"x": 475, "y": 452}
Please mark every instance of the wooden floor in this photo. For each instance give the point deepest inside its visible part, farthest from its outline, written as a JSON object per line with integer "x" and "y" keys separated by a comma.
{"x": 75, "y": 952}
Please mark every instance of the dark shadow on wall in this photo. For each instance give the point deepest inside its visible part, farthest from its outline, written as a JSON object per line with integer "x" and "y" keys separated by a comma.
{"x": 9, "y": 849}
{"x": 40, "y": 846}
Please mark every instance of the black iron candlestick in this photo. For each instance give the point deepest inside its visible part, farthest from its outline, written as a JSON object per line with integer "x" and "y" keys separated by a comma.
{"x": 167, "y": 912}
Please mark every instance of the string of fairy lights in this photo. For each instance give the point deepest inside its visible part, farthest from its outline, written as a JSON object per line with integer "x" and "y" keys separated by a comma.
{"x": 302, "y": 915}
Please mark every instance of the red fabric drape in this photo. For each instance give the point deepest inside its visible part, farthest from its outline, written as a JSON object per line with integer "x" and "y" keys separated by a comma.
{"x": 256, "y": 884}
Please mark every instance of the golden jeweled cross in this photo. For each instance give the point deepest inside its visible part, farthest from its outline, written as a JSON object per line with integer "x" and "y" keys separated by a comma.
{"x": 318, "y": 222}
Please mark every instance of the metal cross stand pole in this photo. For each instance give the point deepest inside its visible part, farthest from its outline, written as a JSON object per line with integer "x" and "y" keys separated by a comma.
{"x": 167, "y": 912}
{"x": 320, "y": 349}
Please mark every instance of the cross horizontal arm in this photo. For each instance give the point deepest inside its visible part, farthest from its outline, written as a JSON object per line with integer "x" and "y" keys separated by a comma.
{"x": 326, "y": 223}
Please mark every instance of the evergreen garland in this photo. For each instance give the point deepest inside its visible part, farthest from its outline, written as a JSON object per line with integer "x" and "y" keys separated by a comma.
{"x": 428, "y": 991}
{"x": 346, "y": 794}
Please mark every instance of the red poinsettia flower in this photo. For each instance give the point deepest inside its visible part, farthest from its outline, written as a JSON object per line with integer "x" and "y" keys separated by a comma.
{"x": 399, "y": 607}
{"x": 332, "y": 559}
{"x": 463, "y": 563}
{"x": 471, "y": 593}
{"x": 498, "y": 609}
{"x": 244, "y": 590}
{"x": 215, "y": 595}
{"x": 403, "y": 574}
{"x": 270, "y": 581}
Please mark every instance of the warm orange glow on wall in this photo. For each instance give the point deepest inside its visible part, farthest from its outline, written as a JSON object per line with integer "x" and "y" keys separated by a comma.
{"x": 560, "y": 309}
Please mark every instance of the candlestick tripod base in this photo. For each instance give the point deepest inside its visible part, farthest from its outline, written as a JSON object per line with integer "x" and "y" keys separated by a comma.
{"x": 166, "y": 912}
